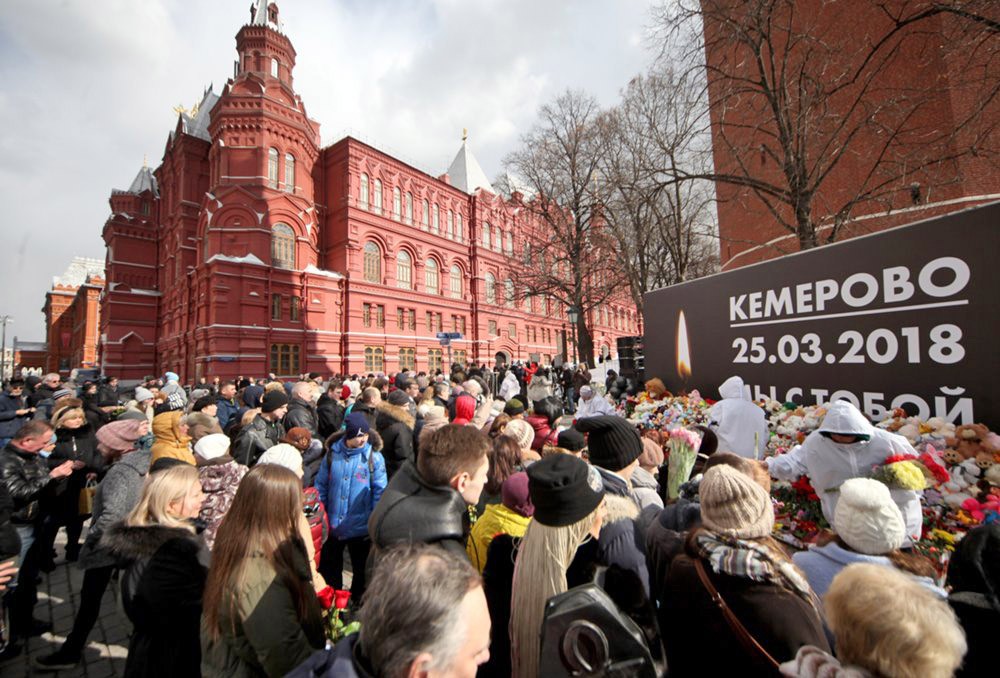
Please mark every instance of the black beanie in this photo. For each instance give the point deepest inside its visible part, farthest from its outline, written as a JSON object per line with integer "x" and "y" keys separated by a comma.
{"x": 613, "y": 443}
{"x": 273, "y": 400}
{"x": 563, "y": 489}
{"x": 571, "y": 439}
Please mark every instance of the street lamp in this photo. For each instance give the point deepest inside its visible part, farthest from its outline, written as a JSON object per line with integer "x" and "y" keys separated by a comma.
{"x": 3, "y": 345}
{"x": 574, "y": 314}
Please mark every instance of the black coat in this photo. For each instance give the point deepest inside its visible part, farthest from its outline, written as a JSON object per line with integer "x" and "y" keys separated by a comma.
{"x": 395, "y": 425}
{"x": 10, "y": 421}
{"x": 699, "y": 641}
{"x": 665, "y": 540}
{"x": 26, "y": 477}
{"x": 330, "y": 417}
{"x": 10, "y": 541}
{"x": 162, "y": 585}
{"x": 302, "y": 415}
{"x": 79, "y": 444}
{"x": 498, "y": 581}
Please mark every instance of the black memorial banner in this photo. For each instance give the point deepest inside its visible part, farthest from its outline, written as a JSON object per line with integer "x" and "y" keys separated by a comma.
{"x": 908, "y": 317}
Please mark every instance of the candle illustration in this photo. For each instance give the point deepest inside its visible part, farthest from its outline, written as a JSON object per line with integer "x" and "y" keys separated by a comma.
{"x": 683, "y": 351}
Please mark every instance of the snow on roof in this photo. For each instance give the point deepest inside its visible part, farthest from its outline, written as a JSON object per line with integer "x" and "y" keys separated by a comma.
{"x": 245, "y": 259}
{"x": 79, "y": 269}
{"x": 319, "y": 271}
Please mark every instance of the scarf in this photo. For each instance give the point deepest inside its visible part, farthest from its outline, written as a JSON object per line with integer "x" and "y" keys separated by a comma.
{"x": 751, "y": 560}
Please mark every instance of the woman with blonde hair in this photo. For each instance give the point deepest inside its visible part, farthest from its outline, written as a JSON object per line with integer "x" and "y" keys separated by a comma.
{"x": 262, "y": 616}
{"x": 164, "y": 563}
{"x": 568, "y": 497}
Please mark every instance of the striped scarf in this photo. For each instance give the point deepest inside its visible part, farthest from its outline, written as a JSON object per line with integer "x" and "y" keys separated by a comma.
{"x": 751, "y": 560}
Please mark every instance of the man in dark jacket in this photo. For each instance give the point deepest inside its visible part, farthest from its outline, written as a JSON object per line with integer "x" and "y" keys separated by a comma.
{"x": 301, "y": 410}
{"x": 329, "y": 412}
{"x": 25, "y": 475}
{"x": 428, "y": 502}
{"x": 366, "y": 404}
{"x": 13, "y": 410}
{"x": 108, "y": 395}
{"x": 395, "y": 424}
{"x": 264, "y": 432}
{"x": 50, "y": 383}
{"x": 226, "y": 405}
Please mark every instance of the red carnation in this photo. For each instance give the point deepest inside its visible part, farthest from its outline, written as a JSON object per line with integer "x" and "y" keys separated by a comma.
{"x": 340, "y": 599}
{"x": 326, "y": 597}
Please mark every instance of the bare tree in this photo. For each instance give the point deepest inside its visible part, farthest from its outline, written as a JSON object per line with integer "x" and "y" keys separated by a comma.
{"x": 819, "y": 107}
{"x": 663, "y": 230}
{"x": 570, "y": 252}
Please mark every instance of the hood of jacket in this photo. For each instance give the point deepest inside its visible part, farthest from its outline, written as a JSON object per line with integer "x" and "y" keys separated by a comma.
{"x": 220, "y": 473}
{"x": 389, "y": 414}
{"x": 843, "y": 417}
{"x": 128, "y": 544}
{"x": 733, "y": 388}
{"x": 836, "y": 553}
{"x": 166, "y": 429}
{"x": 538, "y": 422}
{"x": 643, "y": 478}
{"x": 465, "y": 407}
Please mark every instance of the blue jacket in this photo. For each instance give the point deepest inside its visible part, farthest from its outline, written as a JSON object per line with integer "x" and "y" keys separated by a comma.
{"x": 10, "y": 422}
{"x": 226, "y": 410}
{"x": 821, "y": 564}
{"x": 348, "y": 490}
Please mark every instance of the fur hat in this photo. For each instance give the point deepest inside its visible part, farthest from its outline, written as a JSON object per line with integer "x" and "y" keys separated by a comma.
{"x": 285, "y": 455}
{"x": 273, "y": 400}
{"x": 298, "y": 437}
{"x": 613, "y": 442}
{"x": 867, "y": 519}
{"x": 734, "y": 504}
{"x": 521, "y": 431}
{"x": 212, "y": 446}
{"x": 515, "y": 496}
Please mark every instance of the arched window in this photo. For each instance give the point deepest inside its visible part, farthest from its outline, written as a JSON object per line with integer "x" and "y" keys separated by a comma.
{"x": 397, "y": 203}
{"x": 435, "y": 223}
{"x": 289, "y": 172}
{"x": 272, "y": 167}
{"x": 409, "y": 208}
{"x": 282, "y": 246}
{"x": 404, "y": 270}
{"x": 486, "y": 234}
{"x": 450, "y": 227}
{"x": 374, "y": 358}
{"x": 458, "y": 227}
{"x": 510, "y": 244}
{"x": 274, "y": 68}
{"x": 377, "y": 203}
{"x": 456, "y": 282}
{"x": 373, "y": 263}
{"x": 427, "y": 216}
{"x": 508, "y": 292}
{"x": 363, "y": 193}
{"x": 491, "y": 289}
{"x": 431, "y": 278}
{"x": 498, "y": 238}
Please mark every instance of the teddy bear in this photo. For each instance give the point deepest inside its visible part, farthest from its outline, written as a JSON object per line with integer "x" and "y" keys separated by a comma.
{"x": 963, "y": 483}
{"x": 968, "y": 440}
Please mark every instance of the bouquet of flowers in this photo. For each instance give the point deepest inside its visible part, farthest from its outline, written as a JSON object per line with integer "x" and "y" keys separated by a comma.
{"x": 902, "y": 472}
{"x": 798, "y": 511}
{"x": 337, "y": 625}
{"x": 683, "y": 445}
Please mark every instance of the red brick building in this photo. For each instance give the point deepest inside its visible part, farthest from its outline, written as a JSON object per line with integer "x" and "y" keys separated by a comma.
{"x": 251, "y": 249}
{"x": 72, "y": 309}
{"x": 922, "y": 75}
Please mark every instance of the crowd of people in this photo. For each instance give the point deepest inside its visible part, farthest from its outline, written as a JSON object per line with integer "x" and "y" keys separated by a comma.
{"x": 470, "y": 511}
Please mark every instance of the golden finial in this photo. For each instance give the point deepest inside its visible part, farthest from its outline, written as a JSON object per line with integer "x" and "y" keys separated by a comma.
{"x": 179, "y": 109}
{"x": 144, "y": 163}
{"x": 465, "y": 133}
{"x": 194, "y": 110}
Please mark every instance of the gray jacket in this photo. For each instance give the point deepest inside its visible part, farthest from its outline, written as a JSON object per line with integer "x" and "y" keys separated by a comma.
{"x": 117, "y": 494}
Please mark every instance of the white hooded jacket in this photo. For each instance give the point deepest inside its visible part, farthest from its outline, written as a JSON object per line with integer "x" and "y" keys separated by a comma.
{"x": 828, "y": 464}
{"x": 737, "y": 421}
{"x": 510, "y": 387}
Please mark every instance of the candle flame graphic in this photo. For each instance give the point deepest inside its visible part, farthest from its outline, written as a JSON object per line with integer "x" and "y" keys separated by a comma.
{"x": 683, "y": 351}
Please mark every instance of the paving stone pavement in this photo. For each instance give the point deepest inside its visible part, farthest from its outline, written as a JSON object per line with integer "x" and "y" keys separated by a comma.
{"x": 58, "y": 598}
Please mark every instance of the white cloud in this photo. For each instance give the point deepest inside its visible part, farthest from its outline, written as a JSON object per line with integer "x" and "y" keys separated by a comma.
{"x": 89, "y": 88}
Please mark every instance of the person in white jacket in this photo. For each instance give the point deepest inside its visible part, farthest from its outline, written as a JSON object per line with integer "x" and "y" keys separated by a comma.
{"x": 592, "y": 404}
{"x": 847, "y": 446}
{"x": 740, "y": 424}
{"x": 509, "y": 387}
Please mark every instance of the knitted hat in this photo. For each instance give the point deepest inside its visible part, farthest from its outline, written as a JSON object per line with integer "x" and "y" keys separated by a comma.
{"x": 435, "y": 413}
{"x": 171, "y": 376}
{"x": 212, "y": 446}
{"x": 867, "y": 518}
{"x": 398, "y": 398}
{"x": 119, "y": 436}
{"x": 298, "y": 437}
{"x": 513, "y": 407}
{"x": 142, "y": 394}
{"x": 64, "y": 392}
{"x": 521, "y": 431}
{"x": 514, "y": 494}
{"x": 571, "y": 439}
{"x": 652, "y": 454}
{"x": 273, "y": 400}
{"x": 732, "y": 503}
{"x": 285, "y": 455}
{"x": 563, "y": 489}
{"x": 130, "y": 413}
{"x": 613, "y": 442}
{"x": 355, "y": 424}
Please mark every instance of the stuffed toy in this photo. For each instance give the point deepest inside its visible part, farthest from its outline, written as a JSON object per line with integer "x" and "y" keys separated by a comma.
{"x": 962, "y": 485}
{"x": 968, "y": 440}
{"x": 985, "y": 511}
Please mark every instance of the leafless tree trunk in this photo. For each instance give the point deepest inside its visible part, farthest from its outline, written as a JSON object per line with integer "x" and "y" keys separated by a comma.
{"x": 804, "y": 93}
{"x": 663, "y": 230}
{"x": 571, "y": 256}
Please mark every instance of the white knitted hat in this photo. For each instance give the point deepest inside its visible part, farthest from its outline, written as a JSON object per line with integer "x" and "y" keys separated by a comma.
{"x": 867, "y": 518}
{"x": 732, "y": 503}
{"x": 285, "y": 455}
{"x": 212, "y": 446}
{"x": 521, "y": 431}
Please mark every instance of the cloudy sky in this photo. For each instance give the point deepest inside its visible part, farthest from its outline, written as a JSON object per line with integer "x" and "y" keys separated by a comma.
{"x": 89, "y": 88}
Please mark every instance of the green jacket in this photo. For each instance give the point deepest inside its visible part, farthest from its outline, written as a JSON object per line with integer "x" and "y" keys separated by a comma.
{"x": 267, "y": 638}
